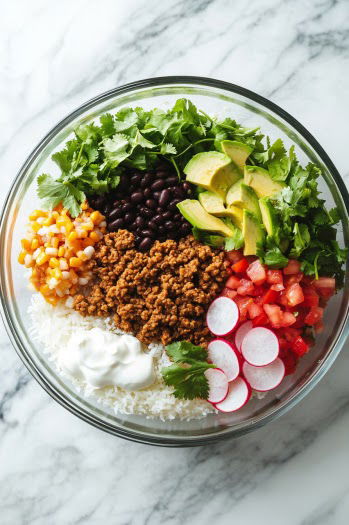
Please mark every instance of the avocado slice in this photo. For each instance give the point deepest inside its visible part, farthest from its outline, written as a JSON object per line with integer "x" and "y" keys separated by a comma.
{"x": 235, "y": 214}
{"x": 212, "y": 203}
{"x": 213, "y": 171}
{"x": 234, "y": 192}
{"x": 197, "y": 216}
{"x": 246, "y": 198}
{"x": 237, "y": 151}
{"x": 252, "y": 232}
{"x": 268, "y": 215}
{"x": 260, "y": 180}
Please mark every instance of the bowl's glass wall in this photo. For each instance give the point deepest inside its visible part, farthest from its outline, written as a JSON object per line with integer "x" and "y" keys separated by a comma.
{"x": 23, "y": 199}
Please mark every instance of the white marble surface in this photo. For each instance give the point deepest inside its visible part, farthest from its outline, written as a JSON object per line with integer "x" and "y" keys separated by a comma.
{"x": 55, "y": 469}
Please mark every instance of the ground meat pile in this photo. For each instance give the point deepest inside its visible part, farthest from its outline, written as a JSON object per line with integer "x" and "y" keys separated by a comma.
{"x": 161, "y": 295}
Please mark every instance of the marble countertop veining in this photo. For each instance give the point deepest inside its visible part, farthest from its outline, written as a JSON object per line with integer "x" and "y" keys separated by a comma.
{"x": 54, "y": 468}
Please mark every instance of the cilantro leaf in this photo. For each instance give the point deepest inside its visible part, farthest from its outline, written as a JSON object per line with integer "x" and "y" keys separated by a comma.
{"x": 181, "y": 351}
{"x": 54, "y": 192}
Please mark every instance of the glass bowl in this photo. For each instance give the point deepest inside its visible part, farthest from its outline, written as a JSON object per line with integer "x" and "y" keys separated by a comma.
{"x": 214, "y": 97}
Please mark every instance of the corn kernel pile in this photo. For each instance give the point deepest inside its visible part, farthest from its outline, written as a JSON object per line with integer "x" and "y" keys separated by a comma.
{"x": 57, "y": 248}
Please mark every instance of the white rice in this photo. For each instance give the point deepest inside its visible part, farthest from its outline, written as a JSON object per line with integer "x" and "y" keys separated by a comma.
{"x": 53, "y": 326}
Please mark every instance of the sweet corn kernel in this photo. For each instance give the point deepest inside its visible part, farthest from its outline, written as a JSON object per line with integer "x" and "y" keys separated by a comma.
{"x": 51, "y": 251}
{"x": 48, "y": 221}
{"x": 26, "y": 244}
{"x": 96, "y": 217}
{"x": 88, "y": 226}
{"x": 75, "y": 262}
{"x": 63, "y": 264}
{"x": 82, "y": 255}
{"x": 84, "y": 205}
{"x": 44, "y": 289}
{"x": 36, "y": 226}
{"x": 89, "y": 251}
{"x": 52, "y": 299}
{"x": 36, "y": 214}
{"x": 34, "y": 244}
{"x": 28, "y": 260}
{"x": 88, "y": 241}
{"x": 54, "y": 262}
{"x": 42, "y": 258}
{"x": 61, "y": 251}
{"x": 57, "y": 274}
{"x": 72, "y": 236}
{"x": 94, "y": 236}
{"x": 21, "y": 257}
{"x": 73, "y": 276}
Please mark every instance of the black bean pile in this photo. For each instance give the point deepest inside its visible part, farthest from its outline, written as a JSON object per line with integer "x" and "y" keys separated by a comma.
{"x": 145, "y": 203}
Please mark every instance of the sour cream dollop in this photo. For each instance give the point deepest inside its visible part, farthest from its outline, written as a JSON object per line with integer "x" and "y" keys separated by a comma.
{"x": 102, "y": 358}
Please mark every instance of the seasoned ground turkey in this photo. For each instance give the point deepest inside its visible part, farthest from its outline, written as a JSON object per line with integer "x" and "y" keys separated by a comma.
{"x": 161, "y": 295}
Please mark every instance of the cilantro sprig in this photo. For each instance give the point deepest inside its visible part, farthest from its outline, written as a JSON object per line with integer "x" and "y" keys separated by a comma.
{"x": 186, "y": 374}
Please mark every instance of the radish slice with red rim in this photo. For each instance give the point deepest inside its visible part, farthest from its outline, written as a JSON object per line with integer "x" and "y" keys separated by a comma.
{"x": 241, "y": 332}
{"x": 238, "y": 395}
{"x": 264, "y": 378}
{"x": 260, "y": 346}
{"x": 217, "y": 383}
{"x": 222, "y": 316}
{"x": 222, "y": 354}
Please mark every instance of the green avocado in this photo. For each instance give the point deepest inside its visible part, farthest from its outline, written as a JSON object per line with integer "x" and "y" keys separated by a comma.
{"x": 237, "y": 151}
{"x": 252, "y": 233}
{"x": 213, "y": 171}
{"x": 235, "y": 214}
{"x": 215, "y": 205}
{"x": 268, "y": 215}
{"x": 234, "y": 192}
{"x": 244, "y": 197}
{"x": 260, "y": 180}
{"x": 197, "y": 216}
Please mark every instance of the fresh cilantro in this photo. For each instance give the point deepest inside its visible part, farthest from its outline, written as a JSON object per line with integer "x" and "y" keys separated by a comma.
{"x": 187, "y": 374}
{"x": 235, "y": 242}
{"x": 216, "y": 241}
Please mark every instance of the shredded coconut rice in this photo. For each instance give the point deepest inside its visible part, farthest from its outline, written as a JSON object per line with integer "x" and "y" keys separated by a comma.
{"x": 53, "y": 327}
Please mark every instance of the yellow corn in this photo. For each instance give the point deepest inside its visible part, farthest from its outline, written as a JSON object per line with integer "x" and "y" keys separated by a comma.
{"x": 21, "y": 257}
{"x": 57, "y": 274}
{"x": 72, "y": 236}
{"x": 94, "y": 236}
{"x": 52, "y": 299}
{"x": 36, "y": 214}
{"x": 42, "y": 258}
{"x": 75, "y": 262}
{"x": 34, "y": 244}
{"x": 36, "y": 226}
{"x": 54, "y": 262}
{"x": 44, "y": 289}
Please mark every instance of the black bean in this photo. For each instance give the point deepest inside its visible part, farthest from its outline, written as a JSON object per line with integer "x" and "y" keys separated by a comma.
{"x": 127, "y": 207}
{"x": 152, "y": 225}
{"x": 147, "y": 193}
{"x": 116, "y": 213}
{"x": 179, "y": 192}
{"x": 177, "y": 217}
{"x": 164, "y": 198}
{"x": 146, "y": 180}
{"x": 107, "y": 209}
{"x": 116, "y": 203}
{"x": 186, "y": 186}
{"x": 161, "y": 229}
{"x": 158, "y": 219}
{"x": 156, "y": 195}
{"x": 170, "y": 181}
{"x": 159, "y": 209}
{"x": 124, "y": 182}
{"x": 139, "y": 222}
{"x": 118, "y": 195}
{"x": 129, "y": 217}
{"x": 183, "y": 219}
{"x": 136, "y": 179}
{"x": 145, "y": 244}
{"x": 158, "y": 185}
{"x": 173, "y": 205}
{"x": 167, "y": 215}
{"x": 161, "y": 174}
{"x": 124, "y": 201}
{"x": 116, "y": 225}
{"x": 185, "y": 228}
{"x": 147, "y": 233}
{"x": 99, "y": 202}
{"x": 146, "y": 212}
{"x": 137, "y": 239}
{"x": 169, "y": 225}
{"x": 137, "y": 197}
{"x": 150, "y": 203}
{"x": 131, "y": 227}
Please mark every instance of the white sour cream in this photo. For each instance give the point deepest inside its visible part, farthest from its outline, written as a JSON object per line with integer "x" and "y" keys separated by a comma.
{"x": 101, "y": 358}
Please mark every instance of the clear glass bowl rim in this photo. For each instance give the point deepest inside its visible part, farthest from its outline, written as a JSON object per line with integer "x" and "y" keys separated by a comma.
{"x": 144, "y": 437}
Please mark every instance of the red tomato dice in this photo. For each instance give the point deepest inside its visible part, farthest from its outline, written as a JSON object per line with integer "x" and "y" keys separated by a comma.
{"x": 325, "y": 286}
{"x": 294, "y": 294}
{"x": 274, "y": 277}
{"x": 288, "y": 319}
{"x": 261, "y": 320}
{"x": 292, "y": 267}
{"x": 270, "y": 297}
{"x": 291, "y": 333}
{"x": 290, "y": 362}
{"x": 311, "y": 298}
{"x": 256, "y": 272}
{"x": 277, "y": 287}
{"x": 233, "y": 282}
{"x": 299, "y": 346}
{"x": 246, "y": 287}
{"x": 243, "y": 303}
{"x": 290, "y": 279}
{"x": 234, "y": 256}
{"x": 227, "y": 292}
{"x": 274, "y": 314}
{"x": 314, "y": 316}
{"x": 254, "y": 310}
{"x": 240, "y": 266}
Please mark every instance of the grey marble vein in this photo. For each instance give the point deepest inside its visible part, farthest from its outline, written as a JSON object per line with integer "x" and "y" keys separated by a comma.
{"x": 54, "y": 468}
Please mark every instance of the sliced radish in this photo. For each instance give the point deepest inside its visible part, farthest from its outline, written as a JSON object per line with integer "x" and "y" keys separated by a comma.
{"x": 222, "y": 316}
{"x": 241, "y": 332}
{"x": 222, "y": 354}
{"x": 238, "y": 394}
{"x": 260, "y": 346}
{"x": 218, "y": 385}
{"x": 263, "y": 378}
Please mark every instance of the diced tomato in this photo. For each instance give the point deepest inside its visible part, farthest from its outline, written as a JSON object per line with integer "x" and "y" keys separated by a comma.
{"x": 299, "y": 346}
{"x": 270, "y": 297}
{"x": 233, "y": 282}
{"x": 258, "y": 292}
{"x": 274, "y": 313}
{"x": 229, "y": 270}
{"x": 307, "y": 280}
{"x": 254, "y": 310}
{"x": 240, "y": 266}
{"x": 234, "y": 256}
{"x": 300, "y": 318}
{"x": 274, "y": 277}
{"x": 311, "y": 298}
{"x": 261, "y": 320}
{"x": 277, "y": 287}
{"x": 325, "y": 286}
{"x": 243, "y": 303}
{"x": 227, "y": 292}
{"x": 314, "y": 316}
{"x": 290, "y": 362}
{"x": 282, "y": 299}
{"x": 246, "y": 287}
{"x": 284, "y": 347}
{"x": 291, "y": 279}
{"x": 291, "y": 333}
{"x": 256, "y": 272}
{"x": 288, "y": 319}
{"x": 292, "y": 267}
{"x": 294, "y": 294}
